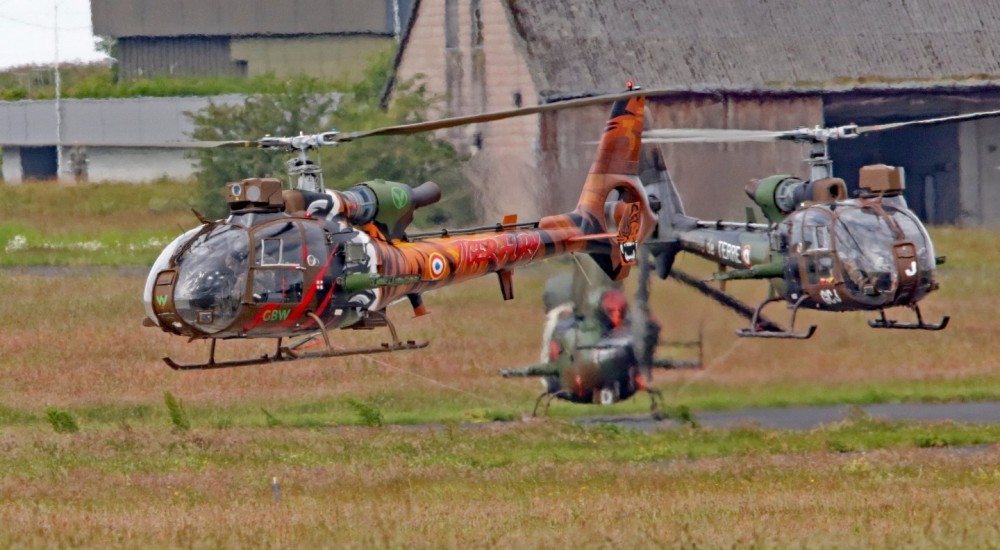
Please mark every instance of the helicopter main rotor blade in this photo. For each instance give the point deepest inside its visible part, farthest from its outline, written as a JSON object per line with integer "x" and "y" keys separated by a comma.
{"x": 928, "y": 121}
{"x": 815, "y": 135}
{"x": 181, "y": 144}
{"x": 711, "y": 135}
{"x": 451, "y": 122}
{"x": 310, "y": 141}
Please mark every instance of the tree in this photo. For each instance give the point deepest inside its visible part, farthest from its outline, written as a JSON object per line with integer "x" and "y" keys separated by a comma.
{"x": 304, "y": 104}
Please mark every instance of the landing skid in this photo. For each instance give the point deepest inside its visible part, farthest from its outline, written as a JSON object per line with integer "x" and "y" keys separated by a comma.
{"x": 655, "y": 398}
{"x": 292, "y": 353}
{"x": 757, "y": 330}
{"x": 655, "y": 401}
{"x": 551, "y": 396}
{"x": 883, "y": 322}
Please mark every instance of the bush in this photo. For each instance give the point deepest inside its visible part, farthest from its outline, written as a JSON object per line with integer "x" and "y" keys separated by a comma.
{"x": 304, "y": 104}
{"x": 369, "y": 413}
{"x": 177, "y": 415}
{"x": 62, "y": 421}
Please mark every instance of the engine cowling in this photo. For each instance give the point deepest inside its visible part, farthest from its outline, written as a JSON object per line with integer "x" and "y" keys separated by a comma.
{"x": 387, "y": 204}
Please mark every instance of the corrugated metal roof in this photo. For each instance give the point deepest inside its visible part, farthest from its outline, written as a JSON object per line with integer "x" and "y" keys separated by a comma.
{"x": 160, "y": 18}
{"x": 589, "y": 46}
{"x": 95, "y": 122}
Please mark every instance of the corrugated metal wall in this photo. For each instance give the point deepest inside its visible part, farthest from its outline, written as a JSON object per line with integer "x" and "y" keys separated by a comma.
{"x": 162, "y": 18}
{"x": 200, "y": 55}
{"x": 141, "y": 120}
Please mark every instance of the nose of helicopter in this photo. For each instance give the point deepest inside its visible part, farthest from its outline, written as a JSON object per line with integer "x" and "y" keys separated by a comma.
{"x": 161, "y": 264}
{"x": 196, "y": 286}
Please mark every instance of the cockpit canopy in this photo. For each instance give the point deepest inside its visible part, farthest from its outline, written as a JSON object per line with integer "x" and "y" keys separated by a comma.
{"x": 858, "y": 242}
{"x": 211, "y": 276}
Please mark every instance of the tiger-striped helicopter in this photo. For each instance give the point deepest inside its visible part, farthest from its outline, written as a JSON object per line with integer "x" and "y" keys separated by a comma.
{"x": 296, "y": 264}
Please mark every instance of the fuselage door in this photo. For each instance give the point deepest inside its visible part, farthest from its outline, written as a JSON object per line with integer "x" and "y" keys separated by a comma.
{"x": 905, "y": 254}
{"x": 278, "y": 280}
{"x": 316, "y": 260}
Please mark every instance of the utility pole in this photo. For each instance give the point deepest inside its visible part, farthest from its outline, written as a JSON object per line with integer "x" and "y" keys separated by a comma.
{"x": 55, "y": 34}
{"x": 395, "y": 20}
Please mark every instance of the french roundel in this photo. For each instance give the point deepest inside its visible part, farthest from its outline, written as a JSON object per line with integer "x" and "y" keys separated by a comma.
{"x": 436, "y": 265}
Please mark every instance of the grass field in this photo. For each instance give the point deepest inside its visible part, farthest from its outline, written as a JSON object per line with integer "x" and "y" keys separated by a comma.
{"x": 357, "y": 464}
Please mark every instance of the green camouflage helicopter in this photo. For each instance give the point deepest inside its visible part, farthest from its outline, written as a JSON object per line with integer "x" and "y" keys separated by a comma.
{"x": 819, "y": 248}
{"x": 596, "y": 348}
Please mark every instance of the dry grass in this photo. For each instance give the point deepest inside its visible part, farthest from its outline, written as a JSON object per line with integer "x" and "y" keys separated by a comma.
{"x": 73, "y": 339}
{"x": 365, "y": 488}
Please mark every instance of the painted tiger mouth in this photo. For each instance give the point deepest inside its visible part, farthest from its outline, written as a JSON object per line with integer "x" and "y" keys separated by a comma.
{"x": 628, "y": 250}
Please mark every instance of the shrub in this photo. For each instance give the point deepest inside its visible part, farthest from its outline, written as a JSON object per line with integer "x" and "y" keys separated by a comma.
{"x": 369, "y": 413}
{"x": 177, "y": 415}
{"x": 62, "y": 421}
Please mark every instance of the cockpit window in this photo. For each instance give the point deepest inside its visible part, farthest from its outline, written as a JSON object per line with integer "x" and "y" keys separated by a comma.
{"x": 278, "y": 244}
{"x": 271, "y": 252}
{"x": 812, "y": 231}
{"x": 212, "y": 278}
{"x": 914, "y": 232}
{"x": 864, "y": 244}
{"x": 278, "y": 264}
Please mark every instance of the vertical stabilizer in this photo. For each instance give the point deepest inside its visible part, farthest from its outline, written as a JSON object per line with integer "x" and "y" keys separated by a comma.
{"x": 614, "y": 212}
{"x": 670, "y": 218}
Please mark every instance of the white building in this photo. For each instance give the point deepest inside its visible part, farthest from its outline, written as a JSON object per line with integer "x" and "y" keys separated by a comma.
{"x": 100, "y": 129}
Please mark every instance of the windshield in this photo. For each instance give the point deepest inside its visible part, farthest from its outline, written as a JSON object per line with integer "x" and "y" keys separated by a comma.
{"x": 212, "y": 278}
{"x": 865, "y": 244}
{"x": 162, "y": 262}
{"x": 914, "y": 232}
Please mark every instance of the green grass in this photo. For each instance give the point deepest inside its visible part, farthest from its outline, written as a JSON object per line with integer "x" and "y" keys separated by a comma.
{"x": 109, "y": 224}
{"x": 536, "y": 484}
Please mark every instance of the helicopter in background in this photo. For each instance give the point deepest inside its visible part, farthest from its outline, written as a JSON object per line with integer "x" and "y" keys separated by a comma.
{"x": 596, "y": 347}
{"x": 819, "y": 249}
{"x": 299, "y": 263}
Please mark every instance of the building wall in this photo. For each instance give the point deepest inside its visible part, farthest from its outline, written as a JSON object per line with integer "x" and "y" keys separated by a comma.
{"x": 11, "y": 165}
{"x": 166, "y": 18}
{"x": 135, "y": 165}
{"x": 116, "y": 164}
{"x": 980, "y": 169}
{"x": 465, "y": 53}
{"x": 329, "y": 57}
{"x": 138, "y": 120}
{"x": 536, "y": 165}
{"x": 177, "y": 56}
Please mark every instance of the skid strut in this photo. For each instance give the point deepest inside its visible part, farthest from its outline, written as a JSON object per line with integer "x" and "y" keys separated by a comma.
{"x": 756, "y": 330}
{"x": 291, "y": 353}
{"x": 883, "y": 322}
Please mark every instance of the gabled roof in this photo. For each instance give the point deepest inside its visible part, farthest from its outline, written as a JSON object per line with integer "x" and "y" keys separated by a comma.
{"x": 595, "y": 46}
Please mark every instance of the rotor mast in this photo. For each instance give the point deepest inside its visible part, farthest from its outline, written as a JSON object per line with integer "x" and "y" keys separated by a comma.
{"x": 308, "y": 175}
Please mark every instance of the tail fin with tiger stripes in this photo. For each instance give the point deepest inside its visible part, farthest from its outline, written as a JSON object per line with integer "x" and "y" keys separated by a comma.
{"x": 614, "y": 212}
